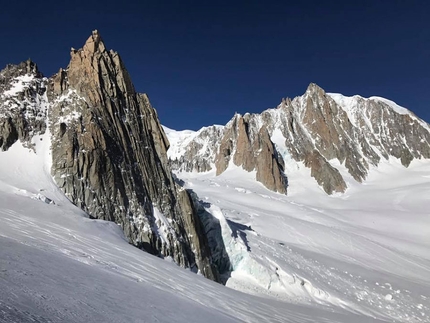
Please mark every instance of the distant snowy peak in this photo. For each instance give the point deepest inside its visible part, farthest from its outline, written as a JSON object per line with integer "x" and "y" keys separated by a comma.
{"x": 326, "y": 132}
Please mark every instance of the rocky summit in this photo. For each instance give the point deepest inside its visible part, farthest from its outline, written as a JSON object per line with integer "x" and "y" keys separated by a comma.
{"x": 108, "y": 152}
{"x": 325, "y": 132}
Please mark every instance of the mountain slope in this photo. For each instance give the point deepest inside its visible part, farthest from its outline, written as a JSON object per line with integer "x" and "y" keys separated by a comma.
{"x": 56, "y": 264}
{"x": 84, "y": 145}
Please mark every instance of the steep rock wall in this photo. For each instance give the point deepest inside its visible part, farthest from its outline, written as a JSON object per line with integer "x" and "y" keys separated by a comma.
{"x": 108, "y": 150}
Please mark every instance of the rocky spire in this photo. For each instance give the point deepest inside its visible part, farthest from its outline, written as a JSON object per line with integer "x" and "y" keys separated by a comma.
{"x": 109, "y": 157}
{"x": 109, "y": 153}
{"x": 95, "y": 72}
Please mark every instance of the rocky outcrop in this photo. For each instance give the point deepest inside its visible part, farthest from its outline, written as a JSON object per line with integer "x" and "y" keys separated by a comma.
{"x": 322, "y": 131}
{"x": 22, "y": 104}
{"x": 109, "y": 154}
{"x": 252, "y": 149}
{"x": 240, "y": 142}
{"x": 108, "y": 151}
{"x": 326, "y": 175}
{"x": 214, "y": 234}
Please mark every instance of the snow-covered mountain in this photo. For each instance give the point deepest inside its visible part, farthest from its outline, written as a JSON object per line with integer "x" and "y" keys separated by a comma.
{"x": 325, "y": 132}
{"x": 82, "y": 147}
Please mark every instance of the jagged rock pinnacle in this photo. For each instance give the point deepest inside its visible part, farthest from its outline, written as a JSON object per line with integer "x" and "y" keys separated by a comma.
{"x": 252, "y": 149}
{"x": 94, "y": 43}
{"x": 31, "y": 67}
{"x": 95, "y": 71}
{"x": 113, "y": 150}
{"x": 314, "y": 88}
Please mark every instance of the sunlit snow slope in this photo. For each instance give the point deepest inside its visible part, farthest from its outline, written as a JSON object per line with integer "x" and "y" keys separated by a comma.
{"x": 366, "y": 251}
{"x": 57, "y": 265}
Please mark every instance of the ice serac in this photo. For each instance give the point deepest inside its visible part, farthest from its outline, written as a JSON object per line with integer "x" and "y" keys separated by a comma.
{"x": 108, "y": 150}
{"x": 325, "y": 132}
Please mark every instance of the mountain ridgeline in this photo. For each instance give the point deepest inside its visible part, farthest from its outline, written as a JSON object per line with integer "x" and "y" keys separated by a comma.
{"x": 108, "y": 152}
{"x": 325, "y": 132}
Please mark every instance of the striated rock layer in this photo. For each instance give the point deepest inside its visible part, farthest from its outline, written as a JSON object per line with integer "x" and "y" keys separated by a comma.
{"x": 108, "y": 151}
{"x": 318, "y": 129}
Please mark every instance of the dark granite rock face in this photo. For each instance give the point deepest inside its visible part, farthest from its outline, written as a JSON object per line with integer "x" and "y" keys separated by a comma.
{"x": 108, "y": 151}
{"x": 109, "y": 154}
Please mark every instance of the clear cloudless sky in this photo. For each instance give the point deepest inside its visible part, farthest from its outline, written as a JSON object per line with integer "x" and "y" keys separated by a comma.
{"x": 202, "y": 61}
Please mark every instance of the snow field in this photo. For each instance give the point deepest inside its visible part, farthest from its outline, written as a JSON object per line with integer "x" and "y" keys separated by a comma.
{"x": 366, "y": 251}
{"x": 58, "y": 265}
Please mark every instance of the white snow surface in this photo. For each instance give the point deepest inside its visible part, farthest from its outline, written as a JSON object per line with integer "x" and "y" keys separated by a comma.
{"x": 348, "y": 101}
{"x": 307, "y": 257}
{"x": 57, "y": 265}
{"x": 367, "y": 251}
{"x": 178, "y": 139}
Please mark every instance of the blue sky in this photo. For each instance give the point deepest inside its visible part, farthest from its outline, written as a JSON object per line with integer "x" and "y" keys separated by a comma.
{"x": 200, "y": 62}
